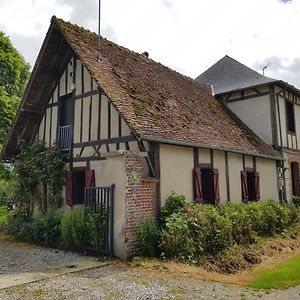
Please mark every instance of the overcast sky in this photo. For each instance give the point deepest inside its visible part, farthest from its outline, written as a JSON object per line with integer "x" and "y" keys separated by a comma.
{"x": 186, "y": 35}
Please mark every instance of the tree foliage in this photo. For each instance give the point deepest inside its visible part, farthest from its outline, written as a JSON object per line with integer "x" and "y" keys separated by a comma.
{"x": 14, "y": 72}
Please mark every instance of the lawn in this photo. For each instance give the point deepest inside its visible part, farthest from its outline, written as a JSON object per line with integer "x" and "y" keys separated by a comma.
{"x": 3, "y": 214}
{"x": 281, "y": 276}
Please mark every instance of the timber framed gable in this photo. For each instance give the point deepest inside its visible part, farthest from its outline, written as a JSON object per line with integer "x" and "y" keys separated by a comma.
{"x": 93, "y": 126}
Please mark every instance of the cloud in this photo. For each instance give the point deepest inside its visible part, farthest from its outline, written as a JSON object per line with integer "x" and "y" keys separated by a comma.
{"x": 285, "y": 1}
{"x": 84, "y": 13}
{"x": 282, "y": 69}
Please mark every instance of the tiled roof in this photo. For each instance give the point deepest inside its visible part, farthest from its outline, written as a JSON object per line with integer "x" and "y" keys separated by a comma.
{"x": 228, "y": 75}
{"x": 157, "y": 102}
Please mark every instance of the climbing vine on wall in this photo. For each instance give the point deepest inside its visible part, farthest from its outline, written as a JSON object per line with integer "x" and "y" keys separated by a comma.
{"x": 39, "y": 176}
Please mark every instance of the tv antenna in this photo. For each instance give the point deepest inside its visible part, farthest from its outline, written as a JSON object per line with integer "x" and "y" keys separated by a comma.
{"x": 264, "y": 68}
{"x": 99, "y": 37}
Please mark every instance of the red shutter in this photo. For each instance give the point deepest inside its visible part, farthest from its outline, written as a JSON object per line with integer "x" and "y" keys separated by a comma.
{"x": 197, "y": 185}
{"x": 245, "y": 195}
{"x": 90, "y": 182}
{"x": 89, "y": 178}
{"x": 69, "y": 187}
{"x": 257, "y": 187}
{"x": 216, "y": 185}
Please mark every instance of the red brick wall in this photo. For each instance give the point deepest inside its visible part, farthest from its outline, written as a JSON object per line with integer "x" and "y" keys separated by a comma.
{"x": 140, "y": 201}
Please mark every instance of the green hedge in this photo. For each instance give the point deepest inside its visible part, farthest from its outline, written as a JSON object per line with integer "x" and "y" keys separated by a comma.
{"x": 193, "y": 230}
{"x": 52, "y": 229}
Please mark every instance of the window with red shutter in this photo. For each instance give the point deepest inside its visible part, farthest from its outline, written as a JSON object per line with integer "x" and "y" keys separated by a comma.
{"x": 295, "y": 178}
{"x": 250, "y": 182}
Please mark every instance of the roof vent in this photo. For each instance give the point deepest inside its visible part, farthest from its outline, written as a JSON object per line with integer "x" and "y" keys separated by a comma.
{"x": 145, "y": 53}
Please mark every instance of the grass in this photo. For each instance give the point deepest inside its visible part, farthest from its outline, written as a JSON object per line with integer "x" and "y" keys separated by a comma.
{"x": 3, "y": 215}
{"x": 280, "y": 276}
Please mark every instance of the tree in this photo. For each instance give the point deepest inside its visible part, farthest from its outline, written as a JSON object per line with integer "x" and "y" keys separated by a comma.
{"x": 14, "y": 73}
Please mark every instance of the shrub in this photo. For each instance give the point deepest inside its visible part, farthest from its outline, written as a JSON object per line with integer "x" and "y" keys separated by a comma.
{"x": 18, "y": 225}
{"x": 46, "y": 228}
{"x": 96, "y": 227}
{"x": 73, "y": 229}
{"x": 176, "y": 240}
{"x": 148, "y": 237}
{"x": 174, "y": 204}
{"x": 296, "y": 200}
{"x": 241, "y": 219}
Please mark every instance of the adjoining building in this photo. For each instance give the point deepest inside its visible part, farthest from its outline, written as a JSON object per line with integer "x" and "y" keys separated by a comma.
{"x": 269, "y": 107}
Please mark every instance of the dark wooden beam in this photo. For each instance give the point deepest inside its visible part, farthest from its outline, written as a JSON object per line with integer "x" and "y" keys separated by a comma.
{"x": 227, "y": 176}
{"x": 87, "y": 94}
{"x": 123, "y": 139}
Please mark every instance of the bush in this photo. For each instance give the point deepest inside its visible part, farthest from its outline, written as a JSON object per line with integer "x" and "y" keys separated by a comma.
{"x": 96, "y": 227}
{"x": 296, "y": 200}
{"x": 174, "y": 204}
{"x": 241, "y": 219}
{"x": 148, "y": 238}
{"x": 176, "y": 239}
{"x": 18, "y": 225}
{"x": 46, "y": 228}
{"x": 73, "y": 229}
{"x": 196, "y": 230}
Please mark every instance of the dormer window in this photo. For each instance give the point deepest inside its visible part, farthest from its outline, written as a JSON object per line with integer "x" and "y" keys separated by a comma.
{"x": 290, "y": 116}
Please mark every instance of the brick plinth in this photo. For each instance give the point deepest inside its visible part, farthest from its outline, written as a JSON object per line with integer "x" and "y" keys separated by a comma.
{"x": 140, "y": 200}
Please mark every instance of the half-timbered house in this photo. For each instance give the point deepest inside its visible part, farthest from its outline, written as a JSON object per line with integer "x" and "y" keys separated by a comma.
{"x": 270, "y": 107}
{"x": 127, "y": 121}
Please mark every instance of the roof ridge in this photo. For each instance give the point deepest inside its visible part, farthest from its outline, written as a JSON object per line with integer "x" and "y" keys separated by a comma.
{"x": 59, "y": 20}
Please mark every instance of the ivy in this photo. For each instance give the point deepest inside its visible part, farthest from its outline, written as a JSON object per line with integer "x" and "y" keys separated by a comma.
{"x": 39, "y": 176}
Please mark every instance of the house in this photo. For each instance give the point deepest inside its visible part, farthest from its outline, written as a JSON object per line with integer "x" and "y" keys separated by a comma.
{"x": 128, "y": 122}
{"x": 269, "y": 107}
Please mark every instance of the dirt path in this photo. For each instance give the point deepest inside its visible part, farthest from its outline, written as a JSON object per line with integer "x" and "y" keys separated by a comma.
{"x": 140, "y": 280}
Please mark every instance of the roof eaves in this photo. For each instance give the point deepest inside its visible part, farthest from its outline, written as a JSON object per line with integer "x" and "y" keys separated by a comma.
{"x": 251, "y": 86}
{"x": 200, "y": 145}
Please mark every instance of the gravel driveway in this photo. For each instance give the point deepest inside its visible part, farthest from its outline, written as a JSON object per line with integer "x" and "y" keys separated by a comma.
{"x": 114, "y": 281}
{"x": 20, "y": 257}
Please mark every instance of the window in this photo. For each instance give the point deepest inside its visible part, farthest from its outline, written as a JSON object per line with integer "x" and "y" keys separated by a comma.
{"x": 250, "y": 182}
{"x": 290, "y": 116}
{"x": 295, "y": 178}
{"x": 75, "y": 182}
{"x": 206, "y": 185}
{"x": 66, "y": 110}
{"x": 66, "y": 113}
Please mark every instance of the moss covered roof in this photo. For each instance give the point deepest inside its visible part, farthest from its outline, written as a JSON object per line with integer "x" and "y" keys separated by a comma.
{"x": 157, "y": 102}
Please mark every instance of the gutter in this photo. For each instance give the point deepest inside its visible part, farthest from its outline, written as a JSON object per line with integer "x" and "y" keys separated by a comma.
{"x": 204, "y": 146}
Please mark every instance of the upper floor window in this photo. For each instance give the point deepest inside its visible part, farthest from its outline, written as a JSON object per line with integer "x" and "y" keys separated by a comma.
{"x": 290, "y": 116}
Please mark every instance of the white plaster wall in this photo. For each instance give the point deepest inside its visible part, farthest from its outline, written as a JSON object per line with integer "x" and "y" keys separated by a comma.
{"x": 248, "y": 162}
{"x": 204, "y": 156}
{"x": 268, "y": 178}
{"x": 176, "y": 167}
{"x": 282, "y": 121}
{"x": 235, "y": 166}
{"x": 219, "y": 163}
{"x": 255, "y": 112}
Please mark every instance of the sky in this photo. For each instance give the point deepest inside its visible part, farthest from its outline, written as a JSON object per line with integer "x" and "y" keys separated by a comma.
{"x": 186, "y": 35}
